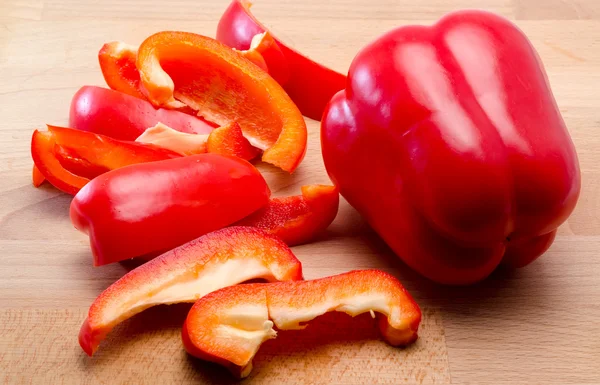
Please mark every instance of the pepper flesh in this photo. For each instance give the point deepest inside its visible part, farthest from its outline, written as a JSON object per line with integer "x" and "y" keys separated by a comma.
{"x": 229, "y": 325}
{"x": 143, "y": 209}
{"x": 474, "y": 164}
{"x": 121, "y": 116}
{"x": 117, "y": 62}
{"x": 297, "y": 219}
{"x": 309, "y": 84}
{"x": 69, "y": 158}
{"x": 223, "y": 87}
{"x": 188, "y": 272}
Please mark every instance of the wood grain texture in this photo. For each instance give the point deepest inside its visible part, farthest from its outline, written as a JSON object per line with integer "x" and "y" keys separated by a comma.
{"x": 535, "y": 325}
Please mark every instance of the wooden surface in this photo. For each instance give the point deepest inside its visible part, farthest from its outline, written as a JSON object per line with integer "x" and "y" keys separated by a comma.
{"x": 540, "y": 324}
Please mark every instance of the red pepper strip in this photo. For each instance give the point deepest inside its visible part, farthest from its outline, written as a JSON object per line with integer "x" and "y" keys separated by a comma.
{"x": 223, "y": 87}
{"x": 120, "y": 116}
{"x": 229, "y": 325}
{"x": 297, "y": 219}
{"x": 83, "y": 151}
{"x": 310, "y": 85}
{"x": 152, "y": 207}
{"x": 37, "y": 176}
{"x": 117, "y": 62}
{"x": 228, "y": 140}
{"x": 188, "y": 272}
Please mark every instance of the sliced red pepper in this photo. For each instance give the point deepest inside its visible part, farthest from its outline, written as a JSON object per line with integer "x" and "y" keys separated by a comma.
{"x": 223, "y": 87}
{"x": 229, "y": 325}
{"x": 152, "y": 207}
{"x": 298, "y": 219}
{"x": 84, "y": 151}
{"x": 188, "y": 272}
{"x": 229, "y": 140}
{"x": 309, "y": 84}
{"x": 37, "y": 176}
{"x": 264, "y": 49}
{"x": 121, "y": 116}
{"x": 117, "y": 62}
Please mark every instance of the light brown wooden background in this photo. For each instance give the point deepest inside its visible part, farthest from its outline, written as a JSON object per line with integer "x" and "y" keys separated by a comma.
{"x": 540, "y": 324}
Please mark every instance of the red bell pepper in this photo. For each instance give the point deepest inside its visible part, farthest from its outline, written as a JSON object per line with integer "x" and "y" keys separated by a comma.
{"x": 297, "y": 219}
{"x": 125, "y": 117}
{"x": 309, "y": 84}
{"x": 69, "y": 158}
{"x": 179, "y": 68}
{"x": 188, "y": 272}
{"x": 153, "y": 207}
{"x": 450, "y": 143}
{"x": 229, "y": 325}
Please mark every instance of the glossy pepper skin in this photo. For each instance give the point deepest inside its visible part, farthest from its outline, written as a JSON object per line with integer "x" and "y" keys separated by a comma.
{"x": 153, "y": 207}
{"x": 309, "y": 84}
{"x": 449, "y": 141}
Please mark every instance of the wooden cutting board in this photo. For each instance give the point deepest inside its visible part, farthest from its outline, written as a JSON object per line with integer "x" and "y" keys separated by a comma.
{"x": 535, "y": 325}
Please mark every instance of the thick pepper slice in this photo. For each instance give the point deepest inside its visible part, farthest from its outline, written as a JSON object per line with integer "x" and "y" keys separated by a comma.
{"x": 188, "y": 272}
{"x": 69, "y": 158}
{"x": 223, "y": 87}
{"x": 229, "y": 325}
{"x": 309, "y": 84}
{"x": 117, "y": 63}
{"x": 153, "y": 207}
{"x": 298, "y": 219}
{"x": 474, "y": 163}
{"x": 121, "y": 116}
{"x": 225, "y": 140}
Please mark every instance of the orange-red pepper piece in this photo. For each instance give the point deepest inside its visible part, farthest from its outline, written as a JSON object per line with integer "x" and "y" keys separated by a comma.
{"x": 117, "y": 63}
{"x": 225, "y": 140}
{"x": 188, "y": 272}
{"x": 298, "y": 219}
{"x": 179, "y": 68}
{"x": 229, "y": 325}
{"x": 81, "y": 150}
{"x": 37, "y": 176}
{"x": 265, "y": 52}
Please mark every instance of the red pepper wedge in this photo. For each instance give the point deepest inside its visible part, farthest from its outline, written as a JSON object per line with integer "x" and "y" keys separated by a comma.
{"x": 188, "y": 272}
{"x": 229, "y": 325}
{"x": 297, "y": 219}
{"x": 149, "y": 208}
{"x": 223, "y": 87}
{"x": 309, "y": 84}
{"x": 37, "y": 177}
{"x": 474, "y": 163}
{"x": 117, "y": 63}
{"x": 121, "y": 116}
{"x": 69, "y": 158}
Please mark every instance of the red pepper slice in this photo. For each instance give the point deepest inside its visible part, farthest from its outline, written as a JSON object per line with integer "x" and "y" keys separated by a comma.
{"x": 121, "y": 116}
{"x": 37, "y": 176}
{"x": 188, "y": 272}
{"x": 85, "y": 155}
{"x": 223, "y": 87}
{"x": 149, "y": 208}
{"x": 298, "y": 219}
{"x": 309, "y": 84}
{"x": 117, "y": 62}
{"x": 229, "y": 325}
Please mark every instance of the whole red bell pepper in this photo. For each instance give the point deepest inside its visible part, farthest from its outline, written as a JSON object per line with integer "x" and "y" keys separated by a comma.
{"x": 150, "y": 208}
{"x": 450, "y": 143}
{"x": 309, "y": 84}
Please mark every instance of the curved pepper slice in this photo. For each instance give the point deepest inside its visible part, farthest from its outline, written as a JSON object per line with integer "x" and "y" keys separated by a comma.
{"x": 223, "y": 87}
{"x": 309, "y": 84}
{"x": 297, "y": 219}
{"x": 229, "y": 325}
{"x": 117, "y": 62}
{"x": 121, "y": 116}
{"x": 37, "y": 176}
{"x": 226, "y": 140}
{"x": 152, "y": 207}
{"x": 69, "y": 158}
{"x": 188, "y": 272}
